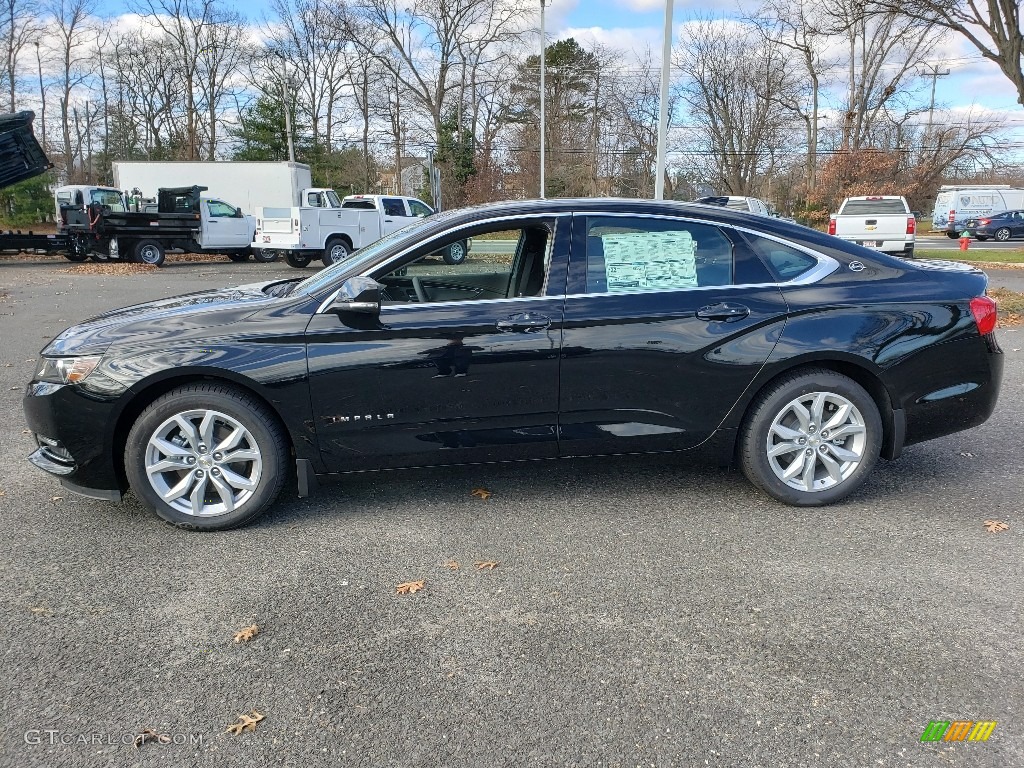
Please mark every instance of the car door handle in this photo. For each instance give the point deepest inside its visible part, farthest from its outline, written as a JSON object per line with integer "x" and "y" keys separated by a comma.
{"x": 388, "y": 221}
{"x": 723, "y": 311}
{"x": 523, "y": 323}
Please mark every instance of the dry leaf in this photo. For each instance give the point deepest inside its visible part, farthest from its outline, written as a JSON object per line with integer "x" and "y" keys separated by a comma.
{"x": 247, "y": 634}
{"x": 967, "y": 455}
{"x": 485, "y": 565}
{"x": 150, "y": 735}
{"x": 3, "y": 493}
{"x": 453, "y": 564}
{"x": 409, "y": 587}
{"x": 26, "y": 431}
{"x": 245, "y": 723}
{"x": 483, "y": 493}
{"x": 56, "y": 498}
{"x": 38, "y": 609}
{"x": 995, "y": 526}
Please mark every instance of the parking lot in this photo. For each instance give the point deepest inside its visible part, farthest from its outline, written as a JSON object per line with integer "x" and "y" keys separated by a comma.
{"x": 643, "y": 612}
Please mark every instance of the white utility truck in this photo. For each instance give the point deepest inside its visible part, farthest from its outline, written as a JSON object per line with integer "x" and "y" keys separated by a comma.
{"x": 249, "y": 185}
{"x": 882, "y": 222}
{"x": 330, "y": 229}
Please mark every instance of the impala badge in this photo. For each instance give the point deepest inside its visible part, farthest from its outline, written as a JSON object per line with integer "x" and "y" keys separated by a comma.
{"x": 360, "y": 417}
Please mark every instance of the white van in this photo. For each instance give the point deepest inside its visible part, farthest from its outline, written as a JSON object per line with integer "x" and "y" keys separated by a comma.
{"x": 956, "y": 204}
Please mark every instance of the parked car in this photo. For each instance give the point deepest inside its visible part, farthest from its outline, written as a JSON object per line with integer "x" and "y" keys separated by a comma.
{"x": 955, "y": 205}
{"x": 608, "y": 327}
{"x": 738, "y": 203}
{"x": 999, "y": 226}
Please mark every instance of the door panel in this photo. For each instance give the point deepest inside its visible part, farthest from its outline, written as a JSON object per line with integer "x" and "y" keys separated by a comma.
{"x": 436, "y": 383}
{"x": 649, "y": 370}
{"x": 224, "y": 229}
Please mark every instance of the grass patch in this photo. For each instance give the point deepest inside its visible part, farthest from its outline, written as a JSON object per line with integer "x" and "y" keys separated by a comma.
{"x": 1015, "y": 256}
{"x": 1011, "y": 306}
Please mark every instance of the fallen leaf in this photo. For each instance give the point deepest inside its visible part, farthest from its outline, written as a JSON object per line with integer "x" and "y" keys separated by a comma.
{"x": 26, "y": 431}
{"x": 995, "y": 526}
{"x": 245, "y": 723}
{"x": 409, "y": 587}
{"x": 56, "y": 498}
{"x": 486, "y": 565}
{"x": 3, "y": 493}
{"x": 453, "y": 564}
{"x": 483, "y": 493}
{"x": 149, "y": 734}
{"x": 38, "y": 609}
{"x": 967, "y": 455}
{"x": 247, "y": 634}
{"x": 14, "y": 388}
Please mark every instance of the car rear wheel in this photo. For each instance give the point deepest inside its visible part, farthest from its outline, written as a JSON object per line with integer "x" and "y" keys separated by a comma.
{"x": 238, "y": 257}
{"x": 1002, "y": 234}
{"x": 298, "y": 260}
{"x": 456, "y": 253}
{"x": 207, "y": 457}
{"x": 981, "y": 238}
{"x": 811, "y": 438}
{"x": 264, "y": 256}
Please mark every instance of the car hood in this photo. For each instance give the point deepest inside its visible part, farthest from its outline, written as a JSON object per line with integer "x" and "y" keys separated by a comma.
{"x": 164, "y": 318}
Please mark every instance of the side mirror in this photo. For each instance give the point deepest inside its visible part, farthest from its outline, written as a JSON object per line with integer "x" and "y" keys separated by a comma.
{"x": 238, "y": 213}
{"x": 359, "y": 294}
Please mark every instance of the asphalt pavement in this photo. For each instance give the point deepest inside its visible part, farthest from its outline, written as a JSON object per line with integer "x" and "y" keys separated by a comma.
{"x": 643, "y": 612}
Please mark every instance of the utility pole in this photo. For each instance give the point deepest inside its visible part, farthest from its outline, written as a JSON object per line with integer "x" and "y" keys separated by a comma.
{"x": 666, "y": 67}
{"x": 543, "y": 94}
{"x": 935, "y": 74}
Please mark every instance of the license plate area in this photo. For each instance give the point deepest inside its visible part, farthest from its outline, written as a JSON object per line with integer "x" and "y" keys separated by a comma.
{"x": 869, "y": 243}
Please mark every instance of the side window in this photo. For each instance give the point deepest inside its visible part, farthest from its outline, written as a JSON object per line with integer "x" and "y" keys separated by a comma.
{"x": 786, "y": 263}
{"x": 419, "y": 209}
{"x": 313, "y": 200}
{"x": 394, "y": 207}
{"x": 626, "y": 255}
{"x": 502, "y": 264}
{"x": 220, "y": 210}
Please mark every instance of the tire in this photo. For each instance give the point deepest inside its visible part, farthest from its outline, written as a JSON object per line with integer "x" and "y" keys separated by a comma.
{"x": 981, "y": 238}
{"x": 953, "y": 235}
{"x": 264, "y": 257}
{"x": 238, "y": 257}
{"x": 76, "y": 257}
{"x": 337, "y": 250}
{"x": 298, "y": 260}
{"x": 456, "y": 253}
{"x": 1002, "y": 234}
{"x": 773, "y": 411}
{"x": 262, "y": 447}
{"x": 908, "y": 253}
{"x": 149, "y": 252}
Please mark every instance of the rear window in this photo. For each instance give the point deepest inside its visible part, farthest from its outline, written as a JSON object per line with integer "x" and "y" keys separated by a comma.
{"x": 366, "y": 205}
{"x": 785, "y": 262}
{"x": 867, "y": 207}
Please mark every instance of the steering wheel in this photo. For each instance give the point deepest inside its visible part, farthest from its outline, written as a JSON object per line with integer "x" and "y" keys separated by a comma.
{"x": 421, "y": 294}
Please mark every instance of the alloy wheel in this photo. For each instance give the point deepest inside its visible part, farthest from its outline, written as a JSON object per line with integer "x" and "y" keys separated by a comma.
{"x": 816, "y": 441}
{"x": 203, "y": 463}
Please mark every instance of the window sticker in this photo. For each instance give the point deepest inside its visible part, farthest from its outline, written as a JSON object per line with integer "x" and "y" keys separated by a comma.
{"x": 649, "y": 261}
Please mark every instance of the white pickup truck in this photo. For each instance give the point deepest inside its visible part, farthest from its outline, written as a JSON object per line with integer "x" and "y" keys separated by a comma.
{"x": 882, "y": 222}
{"x": 330, "y": 229}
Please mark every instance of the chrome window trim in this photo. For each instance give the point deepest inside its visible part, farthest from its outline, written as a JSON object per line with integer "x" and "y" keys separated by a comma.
{"x": 825, "y": 267}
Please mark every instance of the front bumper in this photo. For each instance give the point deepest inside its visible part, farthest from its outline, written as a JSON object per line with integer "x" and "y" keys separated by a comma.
{"x": 74, "y": 430}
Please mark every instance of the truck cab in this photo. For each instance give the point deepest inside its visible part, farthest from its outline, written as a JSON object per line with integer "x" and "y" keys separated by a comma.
{"x": 75, "y": 199}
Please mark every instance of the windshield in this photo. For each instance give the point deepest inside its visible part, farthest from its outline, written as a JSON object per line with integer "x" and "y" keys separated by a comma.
{"x": 109, "y": 198}
{"x": 360, "y": 258}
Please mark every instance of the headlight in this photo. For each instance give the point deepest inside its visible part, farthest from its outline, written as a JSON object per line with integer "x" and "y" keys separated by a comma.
{"x": 66, "y": 370}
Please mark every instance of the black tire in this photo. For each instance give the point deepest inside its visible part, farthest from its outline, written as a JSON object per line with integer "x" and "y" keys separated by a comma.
{"x": 263, "y": 430}
{"x": 908, "y": 253}
{"x": 298, "y": 260}
{"x": 953, "y": 235}
{"x": 981, "y": 238}
{"x": 456, "y": 253}
{"x": 336, "y": 250}
{"x": 76, "y": 256}
{"x": 264, "y": 256}
{"x": 773, "y": 402}
{"x": 1002, "y": 234}
{"x": 238, "y": 257}
{"x": 149, "y": 252}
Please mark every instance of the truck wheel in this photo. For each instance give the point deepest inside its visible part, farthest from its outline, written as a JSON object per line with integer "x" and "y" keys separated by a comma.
{"x": 75, "y": 256}
{"x": 149, "y": 252}
{"x": 99, "y": 257}
{"x": 298, "y": 260}
{"x": 456, "y": 253}
{"x": 264, "y": 256}
{"x": 238, "y": 257}
{"x": 335, "y": 252}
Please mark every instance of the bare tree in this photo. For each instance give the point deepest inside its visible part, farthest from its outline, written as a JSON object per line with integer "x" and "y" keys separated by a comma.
{"x": 70, "y": 36}
{"x": 19, "y": 26}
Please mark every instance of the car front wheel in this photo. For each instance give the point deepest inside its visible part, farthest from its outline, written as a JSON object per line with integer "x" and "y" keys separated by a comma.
{"x": 206, "y": 457}
{"x": 1002, "y": 234}
{"x": 811, "y": 438}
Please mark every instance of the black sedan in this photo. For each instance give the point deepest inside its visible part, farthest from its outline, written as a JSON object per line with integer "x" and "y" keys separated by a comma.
{"x": 579, "y": 327}
{"x": 1001, "y": 226}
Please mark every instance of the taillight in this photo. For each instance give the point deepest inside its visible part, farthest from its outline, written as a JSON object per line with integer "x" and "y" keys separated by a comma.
{"x": 952, "y": 217}
{"x": 984, "y": 310}
{"x": 984, "y": 222}
{"x": 911, "y": 225}
{"x": 831, "y": 226}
